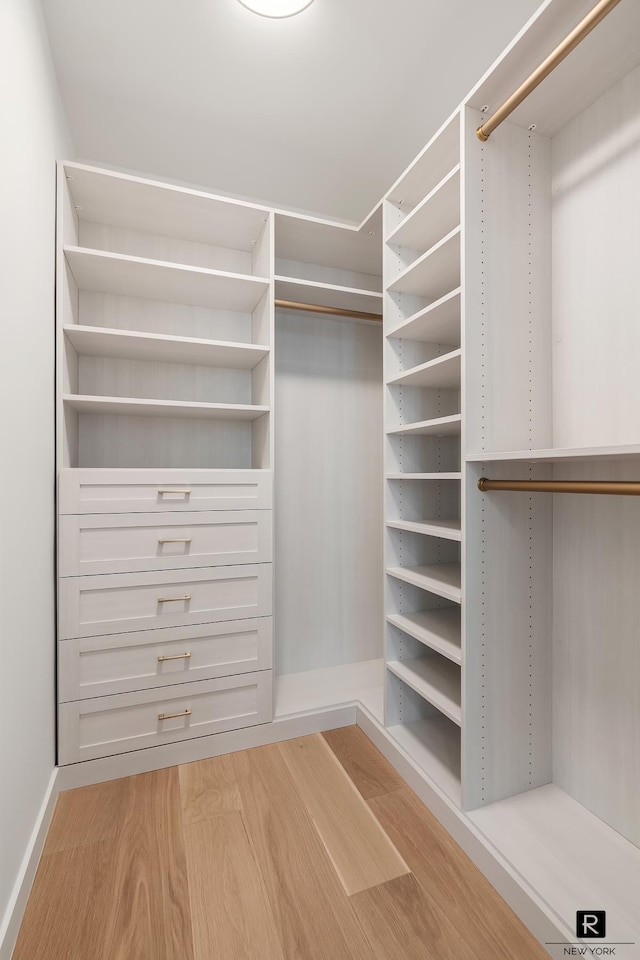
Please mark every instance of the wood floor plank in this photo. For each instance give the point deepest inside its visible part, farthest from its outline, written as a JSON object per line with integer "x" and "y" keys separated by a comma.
{"x": 65, "y": 917}
{"x": 400, "y": 920}
{"x": 149, "y": 914}
{"x": 208, "y": 789}
{"x": 230, "y": 911}
{"x": 369, "y": 770}
{"x": 313, "y": 914}
{"x": 86, "y": 815}
{"x": 453, "y": 882}
{"x": 358, "y": 847}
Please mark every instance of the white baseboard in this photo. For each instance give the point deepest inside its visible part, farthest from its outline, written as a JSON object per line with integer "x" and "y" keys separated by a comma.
{"x": 18, "y": 901}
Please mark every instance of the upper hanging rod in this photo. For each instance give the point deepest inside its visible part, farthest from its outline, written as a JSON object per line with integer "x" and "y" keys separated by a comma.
{"x": 585, "y": 27}
{"x": 332, "y": 311}
{"x": 624, "y": 488}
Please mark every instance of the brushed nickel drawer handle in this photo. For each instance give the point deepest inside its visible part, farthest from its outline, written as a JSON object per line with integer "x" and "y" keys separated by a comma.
{"x": 174, "y": 716}
{"x": 174, "y": 599}
{"x": 177, "y": 540}
{"x": 186, "y": 492}
{"x": 178, "y": 656}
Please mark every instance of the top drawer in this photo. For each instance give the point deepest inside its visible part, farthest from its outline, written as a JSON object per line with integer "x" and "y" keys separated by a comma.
{"x": 151, "y": 491}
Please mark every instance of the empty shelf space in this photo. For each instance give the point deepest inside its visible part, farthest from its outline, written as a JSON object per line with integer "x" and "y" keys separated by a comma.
{"x": 443, "y": 579}
{"x": 439, "y": 427}
{"x": 126, "y": 406}
{"x": 133, "y": 203}
{"x": 433, "y": 217}
{"x": 442, "y": 372}
{"x": 435, "y": 272}
{"x": 424, "y": 476}
{"x": 578, "y": 454}
{"x": 438, "y": 629}
{"x": 436, "y": 679}
{"x": 328, "y": 295}
{"x": 114, "y": 273}
{"x": 446, "y": 529}
{"x": 434, "y": 745}
{"x": 132, "y": 345}
{"x": 336, "y": 245}
{"x": 437, "y": 323}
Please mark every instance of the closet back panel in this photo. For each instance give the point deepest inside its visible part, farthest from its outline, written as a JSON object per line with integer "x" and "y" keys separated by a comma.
{"x": 596, "y": 250}
{"x": 328, "y": 534}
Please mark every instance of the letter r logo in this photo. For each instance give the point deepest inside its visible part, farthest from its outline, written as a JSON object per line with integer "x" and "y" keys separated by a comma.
{"x": 591, "y": 924}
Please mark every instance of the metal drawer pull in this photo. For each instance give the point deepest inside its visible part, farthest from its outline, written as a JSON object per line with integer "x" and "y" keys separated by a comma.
{"x": 177, "y": 540}
{"x": 162, "y": 492}
{"x": 174, "y": 599}
{"x": 174, "y": 716}
{"x": 178, "y": 656}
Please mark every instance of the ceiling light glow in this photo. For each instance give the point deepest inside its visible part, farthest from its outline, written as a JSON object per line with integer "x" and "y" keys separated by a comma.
{"x": 276, "y": 9}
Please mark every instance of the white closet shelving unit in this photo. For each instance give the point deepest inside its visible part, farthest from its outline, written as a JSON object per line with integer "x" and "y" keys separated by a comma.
{"x": 423, "y": 425}
{"x": 165, "y": 451}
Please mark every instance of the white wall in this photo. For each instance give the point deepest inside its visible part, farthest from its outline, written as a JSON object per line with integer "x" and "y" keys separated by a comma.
{"x": 328, "y": 470}
{"x": 33, "y": 135}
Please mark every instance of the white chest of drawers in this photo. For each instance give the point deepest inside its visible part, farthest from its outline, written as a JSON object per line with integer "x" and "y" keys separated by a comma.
{"x": 165, "y": 606}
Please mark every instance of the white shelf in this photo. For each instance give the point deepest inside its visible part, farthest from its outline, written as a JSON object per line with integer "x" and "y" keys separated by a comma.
{"x": 433, "y": 217}
{"x": 126, "y": 406}
{"x": 434, "y": 745}
{"x": 328, "y": 295}
{"x": 429, "y": 167}
{"x": 568, "y": 856}
{"x": 437, "y": 323}
{"x": 443, "y": 579}
{"x": 442, "y": 372}
{"x": 578, "y": 454}
{"x": 133, "y": 203}
{"x": 446, "y": 529}
{"x": 439, "y": 427}
{"x": 299, "y": 694}
{"x": 439, "y": 630}
{"x": 435, "y": 272}
{"x": 424, "y": 476}
{"x": 435, "y": 679}
{"x": 115, "y": 273}
{"x": 132, "y": 345}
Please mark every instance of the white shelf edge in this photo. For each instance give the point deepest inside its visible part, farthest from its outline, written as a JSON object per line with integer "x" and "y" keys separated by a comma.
{"x": 430, "y": 365}
{"x": 423, "y": 203}
{"x": 136, "y": 406}
{"x": 428, "y": 581}
{"x": 429, "y": 426}
{"x": 444, "y": 529}
{"x": 393, "y": 288}
{"x": 621, "y": 452}
{"x": 415, "y": 674}
{"x": 411, "y": 625}
{"x": 451, "y": 475}
{"x": 332, "y": 287}
{"x": 425, "y": 311}
{"x": 185, "y": 268}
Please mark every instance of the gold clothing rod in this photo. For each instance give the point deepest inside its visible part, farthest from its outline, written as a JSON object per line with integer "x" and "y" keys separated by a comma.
{"x": 586, "y": 25}
{"x": 332, "y": 311}
{"x": 624, "y": 488}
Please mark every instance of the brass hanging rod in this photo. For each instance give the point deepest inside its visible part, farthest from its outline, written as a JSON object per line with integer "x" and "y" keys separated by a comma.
{"x": 332, "y": 311}
{"x": 586, "y": 25}
{"x": 621, "y": 488}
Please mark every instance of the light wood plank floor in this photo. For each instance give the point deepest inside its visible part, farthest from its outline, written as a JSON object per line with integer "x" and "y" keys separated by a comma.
{"x": 314, "y": 849}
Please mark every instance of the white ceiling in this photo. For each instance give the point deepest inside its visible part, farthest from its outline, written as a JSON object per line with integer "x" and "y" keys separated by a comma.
{"x": 318, "y": 113}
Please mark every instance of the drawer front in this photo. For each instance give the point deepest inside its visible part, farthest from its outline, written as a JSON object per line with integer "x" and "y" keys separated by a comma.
{"x": 118, "y": 603}
{"x": 105, "y": 726}
{"x": 123, "y": 662}
{"x": 152, "y": 491}
{"x": 99, "y": 543}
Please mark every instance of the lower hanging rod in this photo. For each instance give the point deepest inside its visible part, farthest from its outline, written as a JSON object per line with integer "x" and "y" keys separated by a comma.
{"x": 332, "y": 311}
{"x": 620, "y": 488}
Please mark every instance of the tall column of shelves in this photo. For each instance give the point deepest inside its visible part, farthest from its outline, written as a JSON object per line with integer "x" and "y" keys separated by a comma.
{"x": 423, "y": 424}
{"x": 165, "y": 382}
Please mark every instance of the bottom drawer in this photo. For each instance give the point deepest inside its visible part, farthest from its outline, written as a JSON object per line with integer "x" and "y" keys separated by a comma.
{"x": 104, "y": 726}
